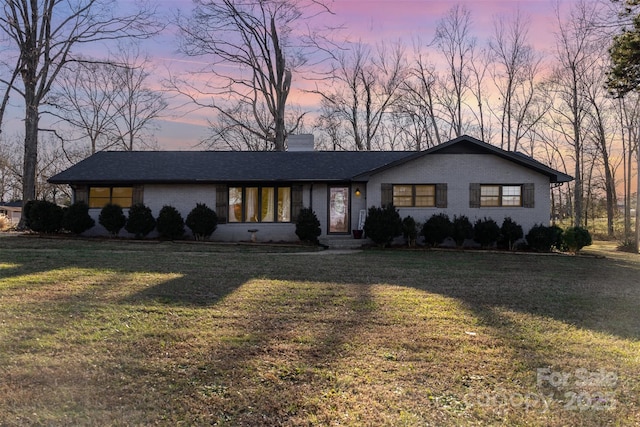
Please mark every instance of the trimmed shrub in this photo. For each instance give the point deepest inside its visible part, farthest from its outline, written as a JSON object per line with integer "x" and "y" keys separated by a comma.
{"x": 576, "y": 238}
{"x": 437, "y": 228}
{"x": 112, "y": 218}
{"x": 141, "y": 221}
{"x": 462, "y": 229}
{"x": 308, "y": 226}
{"x": 542, "y": 238}
{"x": 202, "y": 221}
{"x": 76, "y": 218}
{"x": 486, "y": 231}
{"x": 383, "y": 224}
{"x": 510, "y": 231}
{"x": 44, "y": 216}
{"x": 410, "y": 230}
{"x": 170, "y": 224}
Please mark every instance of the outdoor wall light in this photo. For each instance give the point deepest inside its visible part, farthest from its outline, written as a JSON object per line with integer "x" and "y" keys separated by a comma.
{"x": 357, "y": 192}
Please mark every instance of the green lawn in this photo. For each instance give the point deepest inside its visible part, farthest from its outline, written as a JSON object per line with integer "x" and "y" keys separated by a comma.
{"x": 126, "y": 333}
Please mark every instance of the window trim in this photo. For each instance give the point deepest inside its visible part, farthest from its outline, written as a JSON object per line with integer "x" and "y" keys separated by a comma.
{"x": 243, "y": 205}
{"x": 414, "y": 195}
{"x": 501, "y": 196}
{"x": 133, "y": 189}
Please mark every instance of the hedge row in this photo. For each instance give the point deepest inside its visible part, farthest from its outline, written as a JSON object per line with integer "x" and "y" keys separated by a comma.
{"x": 47, "y": 217}
{"x": 384, "y": 224}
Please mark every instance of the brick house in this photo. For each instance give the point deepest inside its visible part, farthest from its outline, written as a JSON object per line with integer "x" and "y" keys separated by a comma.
{"x": 264, "y": 190}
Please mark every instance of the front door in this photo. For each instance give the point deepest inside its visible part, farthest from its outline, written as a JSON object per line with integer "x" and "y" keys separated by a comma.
{"x": 339, "y": 209}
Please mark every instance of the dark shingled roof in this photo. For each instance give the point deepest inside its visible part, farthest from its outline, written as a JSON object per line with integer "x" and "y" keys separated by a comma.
{"x": 223, "y": 166}
{"x": 132, "y": 167}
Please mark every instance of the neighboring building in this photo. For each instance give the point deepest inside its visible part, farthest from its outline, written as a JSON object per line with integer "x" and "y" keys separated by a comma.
{"x": 265, "y": 190}
{"x": 12, "y": 210}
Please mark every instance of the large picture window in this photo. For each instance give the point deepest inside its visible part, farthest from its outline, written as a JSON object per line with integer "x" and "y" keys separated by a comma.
{"x": 500, "y": 195}
{"x": 414, "y": 195}
{"x": 101, "y": 196}
{"x": 259, "y": 204}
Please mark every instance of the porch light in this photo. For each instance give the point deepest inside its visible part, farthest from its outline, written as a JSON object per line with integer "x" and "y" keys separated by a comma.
{"x": 357, "y": 193}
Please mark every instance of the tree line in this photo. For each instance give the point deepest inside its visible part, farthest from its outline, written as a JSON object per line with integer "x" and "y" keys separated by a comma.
{"x": 564, "y": 106}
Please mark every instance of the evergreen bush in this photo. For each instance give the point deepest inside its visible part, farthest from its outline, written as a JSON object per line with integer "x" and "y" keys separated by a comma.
{"x": 112, "y": 218}
{"x": 486, "y": 231}
{"x": 462, "y": 229}
{"x": 202, "y": 221}
{"x": 437, "y": 228}
{"x": 141, "y": 221}
{"x": 44, "y": 216}
{"x": 169, "y": 223}
{"x": 575, "y": 238}
{"x": 510, "y": 231}
{"x": 542, "y": 238}
{"x": 76, "y": 218}
{"x": 383, "y": 224}
{"x": 308, "y": 226}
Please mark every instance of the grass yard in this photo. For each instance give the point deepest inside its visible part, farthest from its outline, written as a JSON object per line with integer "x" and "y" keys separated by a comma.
{"x": 125, "y": 333}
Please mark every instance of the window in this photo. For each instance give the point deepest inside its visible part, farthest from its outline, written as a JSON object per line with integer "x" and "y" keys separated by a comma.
{"x": 259, "y": 204}
{"x": 101, "y": 196}
{"x": 414, "y": 195}
{"x": 500, "y": 195}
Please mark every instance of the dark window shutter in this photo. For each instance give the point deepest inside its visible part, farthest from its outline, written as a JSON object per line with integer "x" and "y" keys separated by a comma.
{"x": 386, "y": 194}
{"x": 81, "y": 194}
{"x": 222, "y": 203}
{"x": 474, "y": 195}
{"x": 296, "y": 202}
{"x": 138, "y": 194}
{"x": 441, "y": 195}
{"x": 528, "y": 195}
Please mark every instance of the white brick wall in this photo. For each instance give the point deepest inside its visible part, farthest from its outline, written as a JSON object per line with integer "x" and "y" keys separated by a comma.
{"x": 458, "y": 171}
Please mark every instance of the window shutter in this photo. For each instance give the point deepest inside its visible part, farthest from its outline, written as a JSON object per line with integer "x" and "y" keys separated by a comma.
{"x": 474, "y": 195}
{"x": 222, "y": 203}
{"x": 441, "y": 195}
{"x": 82, "y": 194}
{"x": 296, "y": 201}
{"x": 138, "y": 194}
{"x": 528, "y": 195}
{"x": 386, "y": 194}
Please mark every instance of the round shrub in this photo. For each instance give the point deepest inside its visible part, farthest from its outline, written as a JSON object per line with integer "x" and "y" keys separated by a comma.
{"x": 437, "y": 228}
{"x": 383, "y": 224}
{"x": 202, "y": 221}
{"x": 576, "y": 238}
{"x": 486, "y": 231}
{"x": 112, "y": 218}
{"x": 141, "y": 221}
{"x": 542, "y": 238}
{"x": 44, "y": 216}
{"x": 462, "y": 229}
{"x": 510, "y": 231}
{"x": 76, "y": 218}
{"x": 170, "y": 223}
{"x": 308, "y": 226}
{"x": 410, "y": 230}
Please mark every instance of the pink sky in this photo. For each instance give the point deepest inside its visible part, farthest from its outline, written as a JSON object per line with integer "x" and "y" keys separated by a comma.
{"x": 366, "y": 20}
{"x": 372, "y": 21}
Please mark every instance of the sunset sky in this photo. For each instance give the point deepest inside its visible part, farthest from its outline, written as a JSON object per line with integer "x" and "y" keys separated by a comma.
{"x": 367, "y": 20}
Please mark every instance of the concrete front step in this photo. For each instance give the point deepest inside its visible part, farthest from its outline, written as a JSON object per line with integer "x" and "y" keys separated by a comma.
{"x": 343, "y": 242}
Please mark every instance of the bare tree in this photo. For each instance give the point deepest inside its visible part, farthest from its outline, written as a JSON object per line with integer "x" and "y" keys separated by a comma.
{"x": 256, "y": 47}
{"x": 456, "y": 44}
{"x": 44, "y": 34}
{"x": 576, "y": 43}
{"x": 366, "y": 84}
{"x": 516, "y": 67}
{"x": 137, "y": 104}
